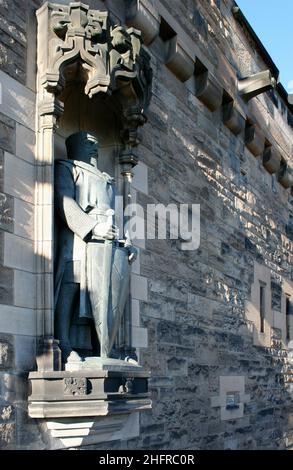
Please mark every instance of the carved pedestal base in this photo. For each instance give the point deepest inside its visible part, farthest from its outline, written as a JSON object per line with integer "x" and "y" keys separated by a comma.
{"x": 88, "y": 392}
{"x": 88, "y": 406}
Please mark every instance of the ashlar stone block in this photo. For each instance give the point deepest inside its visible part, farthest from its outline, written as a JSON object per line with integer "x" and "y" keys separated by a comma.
{"x": 24, "y": 219}
{"x": 139, "y": 337}
{"x": 140, "y": 179}
{"x": 6, "y": 285}
{"x": 6, "y": 212}
{"x": 17, "y": 320}
{"x": 25, "y": 143}
{"x": 18, "y": 253}
{"x": 178, "y": 60}
{"x": 24, "y": 289}
{"x": 7, "y": 133}
{"x": 7, "y": 434}
{"x": 139, "y": 287}
{"x": 19, "y": 178}
{"x": 18, "y": 102}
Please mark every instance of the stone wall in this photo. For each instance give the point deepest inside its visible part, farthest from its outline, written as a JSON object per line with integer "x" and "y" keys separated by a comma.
{"x": 194, "y": 304}
{"x": 17, "y": 278}
{"x": 198, "y": 330}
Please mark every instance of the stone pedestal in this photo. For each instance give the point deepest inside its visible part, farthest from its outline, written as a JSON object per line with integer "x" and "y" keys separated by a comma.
{"x": 90, "y": 402}
{"x": 88, "y": 392}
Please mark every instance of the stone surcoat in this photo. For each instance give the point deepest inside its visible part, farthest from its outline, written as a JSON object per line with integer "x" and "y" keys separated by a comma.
{"x": 83, "y": 194}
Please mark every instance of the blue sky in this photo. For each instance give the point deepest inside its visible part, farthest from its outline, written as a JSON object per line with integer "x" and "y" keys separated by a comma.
{"x": 272, "y": 21}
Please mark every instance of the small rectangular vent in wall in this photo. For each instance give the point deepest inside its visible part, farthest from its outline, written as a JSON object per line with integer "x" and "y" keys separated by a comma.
{"x": 262, "y": 307}
{"x": 232, "y": 400}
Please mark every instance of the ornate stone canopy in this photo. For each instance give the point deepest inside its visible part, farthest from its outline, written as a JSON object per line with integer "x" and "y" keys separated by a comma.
{"x": 108, "y": 58}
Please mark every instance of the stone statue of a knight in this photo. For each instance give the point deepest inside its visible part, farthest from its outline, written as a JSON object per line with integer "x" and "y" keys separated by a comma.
{"x": 92, "y": 266}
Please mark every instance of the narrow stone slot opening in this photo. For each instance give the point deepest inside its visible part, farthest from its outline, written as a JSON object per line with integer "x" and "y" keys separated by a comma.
{"x": 262, "y": 307}
{"x": 288, "y": 312}
{"x": 166, "y": 31}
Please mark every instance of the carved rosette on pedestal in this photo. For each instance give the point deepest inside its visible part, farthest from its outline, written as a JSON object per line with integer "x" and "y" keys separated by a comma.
{"x": 110, "y": 60}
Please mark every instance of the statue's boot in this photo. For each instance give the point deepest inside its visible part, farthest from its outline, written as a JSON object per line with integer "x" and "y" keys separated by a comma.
{"x": 68, "y": 354}
{"x": 130, "y": 360}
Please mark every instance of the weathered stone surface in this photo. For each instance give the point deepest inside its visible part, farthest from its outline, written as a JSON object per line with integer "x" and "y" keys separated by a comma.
{"x": 14, "y": 34}
{"x": 19, "y": 178}
{"x": 7, "y": 133}
{"x": 19, "y": 253}
{"x": 254, "y": 139}
{"x": 7, "y": 434}
{"x": 25, "y": 352}
{"x": 6, "y": 412}
{"x": 17, "y": 101}
{"x": 6, "y": 285}
{"x": 25, "y": 143}
{"x": 177, "y": 366}
{"x": 6, "y": 352}
{"x": 14, "y": 387}
{"x": 17, "y": 320}
{"x": 178, "y": 60}
{"x": 6, "y": 212}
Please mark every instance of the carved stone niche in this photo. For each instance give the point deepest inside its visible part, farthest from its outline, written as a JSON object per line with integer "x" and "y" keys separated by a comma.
{"x": 93, "y": 76}
{"x": 271, "y": 159}
{"x": 254, "y": 139}
{"x": 207, "y": 89}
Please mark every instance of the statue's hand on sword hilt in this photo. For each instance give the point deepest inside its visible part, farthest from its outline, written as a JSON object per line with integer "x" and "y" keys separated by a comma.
{"x": 106, "y": 230}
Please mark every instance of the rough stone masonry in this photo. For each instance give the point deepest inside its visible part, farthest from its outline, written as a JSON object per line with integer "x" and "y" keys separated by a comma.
{"x": 218, "y": 381}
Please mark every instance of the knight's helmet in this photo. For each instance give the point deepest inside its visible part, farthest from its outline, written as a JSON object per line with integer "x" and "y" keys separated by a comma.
{"x": 82, "y": 146}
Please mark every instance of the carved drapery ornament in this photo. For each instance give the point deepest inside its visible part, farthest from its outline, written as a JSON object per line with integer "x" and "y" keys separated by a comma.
{"x": 75, "y": 386}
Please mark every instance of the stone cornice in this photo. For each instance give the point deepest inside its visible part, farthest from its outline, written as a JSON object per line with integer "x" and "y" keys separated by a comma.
{"x": 209, "y": 83}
